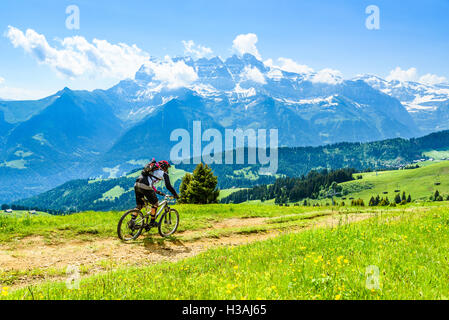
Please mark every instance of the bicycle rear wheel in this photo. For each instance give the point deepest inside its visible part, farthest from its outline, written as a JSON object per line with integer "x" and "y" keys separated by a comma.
{"x": 129, "y": 229}
{"x": 169, "y": 223}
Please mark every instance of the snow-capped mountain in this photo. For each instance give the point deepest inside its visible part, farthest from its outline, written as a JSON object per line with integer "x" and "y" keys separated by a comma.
{"x": 236, "y": 86}
{"x": 427, "y": 104}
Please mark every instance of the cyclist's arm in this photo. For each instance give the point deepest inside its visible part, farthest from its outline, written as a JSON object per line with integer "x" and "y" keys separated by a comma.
{"x": 169, "y": 186}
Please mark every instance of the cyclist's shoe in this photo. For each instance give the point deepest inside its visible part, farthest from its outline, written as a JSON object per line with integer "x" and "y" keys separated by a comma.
{"x": 153, "y": 223}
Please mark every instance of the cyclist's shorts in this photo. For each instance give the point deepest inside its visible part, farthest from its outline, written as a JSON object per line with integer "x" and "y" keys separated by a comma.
{"x": 141, "y": 194}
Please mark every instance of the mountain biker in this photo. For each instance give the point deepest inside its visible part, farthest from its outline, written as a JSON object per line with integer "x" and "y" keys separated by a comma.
{"x": 145, "y": 188}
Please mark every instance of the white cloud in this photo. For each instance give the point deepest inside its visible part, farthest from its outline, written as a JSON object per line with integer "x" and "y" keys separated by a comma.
{"x": 288, "y": 65}
{"x": 2, "y": 80}
{"x": 77, "y": 57}
{"x": 197, "y": 51}
{"x": 329, "y": 76}
{"x": 172, "y": 74}
{"x": 246, "y": 43}
{"x": 432, "y": 79}
{"x": 253, "y": 74}
{"x": 412, "y": 75}
{"x": 403, "y": 75}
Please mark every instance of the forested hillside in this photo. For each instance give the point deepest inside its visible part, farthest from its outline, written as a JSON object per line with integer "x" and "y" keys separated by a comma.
{"x": 117, "y": 194}
{"x": 294, "y": 162}
{"x": 285, "y": 190}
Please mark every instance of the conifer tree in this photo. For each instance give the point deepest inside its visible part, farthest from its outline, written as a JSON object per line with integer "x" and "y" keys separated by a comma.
{"x": 184, "y": 188}
{"x": 201, "y": 187}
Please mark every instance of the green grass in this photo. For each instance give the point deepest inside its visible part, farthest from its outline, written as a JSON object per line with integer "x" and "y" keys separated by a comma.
{"x": 246, "y": 173}
{"x": 410, "y": 249}
{"x": 15, "y": 164}
{"x": 437, "y": 155}
{"x": 419, "y": 183}
{"x": 112, "y": 194}
{"x": 22, "y": 214}
{"x": 104, "y": 224}
{"x": 226, "y": 192}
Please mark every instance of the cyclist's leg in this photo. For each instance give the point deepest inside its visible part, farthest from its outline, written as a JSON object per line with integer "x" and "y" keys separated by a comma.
{"x": 152, "y": 199}
{"x": 140, "y": 199}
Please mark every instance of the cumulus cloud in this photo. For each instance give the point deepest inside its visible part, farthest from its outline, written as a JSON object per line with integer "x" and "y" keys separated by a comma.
{"x": 403, "y": 75}
{"x": 196, "y": 51}
{"x": 75, "y": 56}
{"x": 288, "y": 65}
{"x": 411, "y": 74}
{"x": 2, "y": 80}
{"x": 432, "y": 79}
{"x": 329, "y": 76}
{"x": 172, "y": 74}
{"x": 246, "y": 43}
{"x": 253, "y": 74}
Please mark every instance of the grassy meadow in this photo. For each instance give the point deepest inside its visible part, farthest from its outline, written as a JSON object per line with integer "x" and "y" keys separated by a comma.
{"x": 104, "y": 224}
{"x": 408, "y": 248}
{"x": 420, "y": 183}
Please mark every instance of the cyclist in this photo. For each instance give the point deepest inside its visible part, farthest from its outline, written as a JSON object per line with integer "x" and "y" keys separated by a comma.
{"x": 145, "y": 188}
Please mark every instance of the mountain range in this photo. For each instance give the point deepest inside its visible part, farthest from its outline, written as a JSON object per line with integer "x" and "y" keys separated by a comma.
{"x": 106, "y": 133}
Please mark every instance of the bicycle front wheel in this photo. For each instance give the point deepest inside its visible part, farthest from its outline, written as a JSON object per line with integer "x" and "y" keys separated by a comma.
{"x": 169, "y": 223}
{"x": 128, "y": 228}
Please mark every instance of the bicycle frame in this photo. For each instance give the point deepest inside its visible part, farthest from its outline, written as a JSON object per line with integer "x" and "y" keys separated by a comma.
{"x": 162, "y": 206}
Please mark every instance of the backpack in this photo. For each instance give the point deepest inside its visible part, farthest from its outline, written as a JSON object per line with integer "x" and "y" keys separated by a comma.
{"x": 150, "y": 168}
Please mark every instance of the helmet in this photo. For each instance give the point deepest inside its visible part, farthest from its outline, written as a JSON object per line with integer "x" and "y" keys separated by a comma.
{"x": 164, "y": 165}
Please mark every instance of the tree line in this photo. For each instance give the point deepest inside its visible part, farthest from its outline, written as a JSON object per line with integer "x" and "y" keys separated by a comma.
{"x": 314, "y": 185}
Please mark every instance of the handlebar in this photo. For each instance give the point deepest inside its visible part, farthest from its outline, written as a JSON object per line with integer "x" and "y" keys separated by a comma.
{"x": 166, "y": 196}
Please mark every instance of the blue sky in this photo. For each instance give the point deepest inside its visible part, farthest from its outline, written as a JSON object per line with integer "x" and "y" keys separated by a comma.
{"x": 319, "y": 34}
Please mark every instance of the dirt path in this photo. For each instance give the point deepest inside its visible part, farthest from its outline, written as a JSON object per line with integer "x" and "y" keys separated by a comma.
{"x": 33, "y": 259}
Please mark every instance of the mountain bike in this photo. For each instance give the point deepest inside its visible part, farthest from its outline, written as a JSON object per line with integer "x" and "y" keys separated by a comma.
{"x": 130, "y": 229}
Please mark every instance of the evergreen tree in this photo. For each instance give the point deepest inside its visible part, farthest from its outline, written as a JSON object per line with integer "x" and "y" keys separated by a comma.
{"x": 409, "y": 199}
{"x": 404, "y": 198}
{"x": 377, "y": 200}
{"x": 202, "y": 187}
{"x": 397, "y": 199}
{"x": 436, "y": 196}
{"x": 184, "y": 188}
